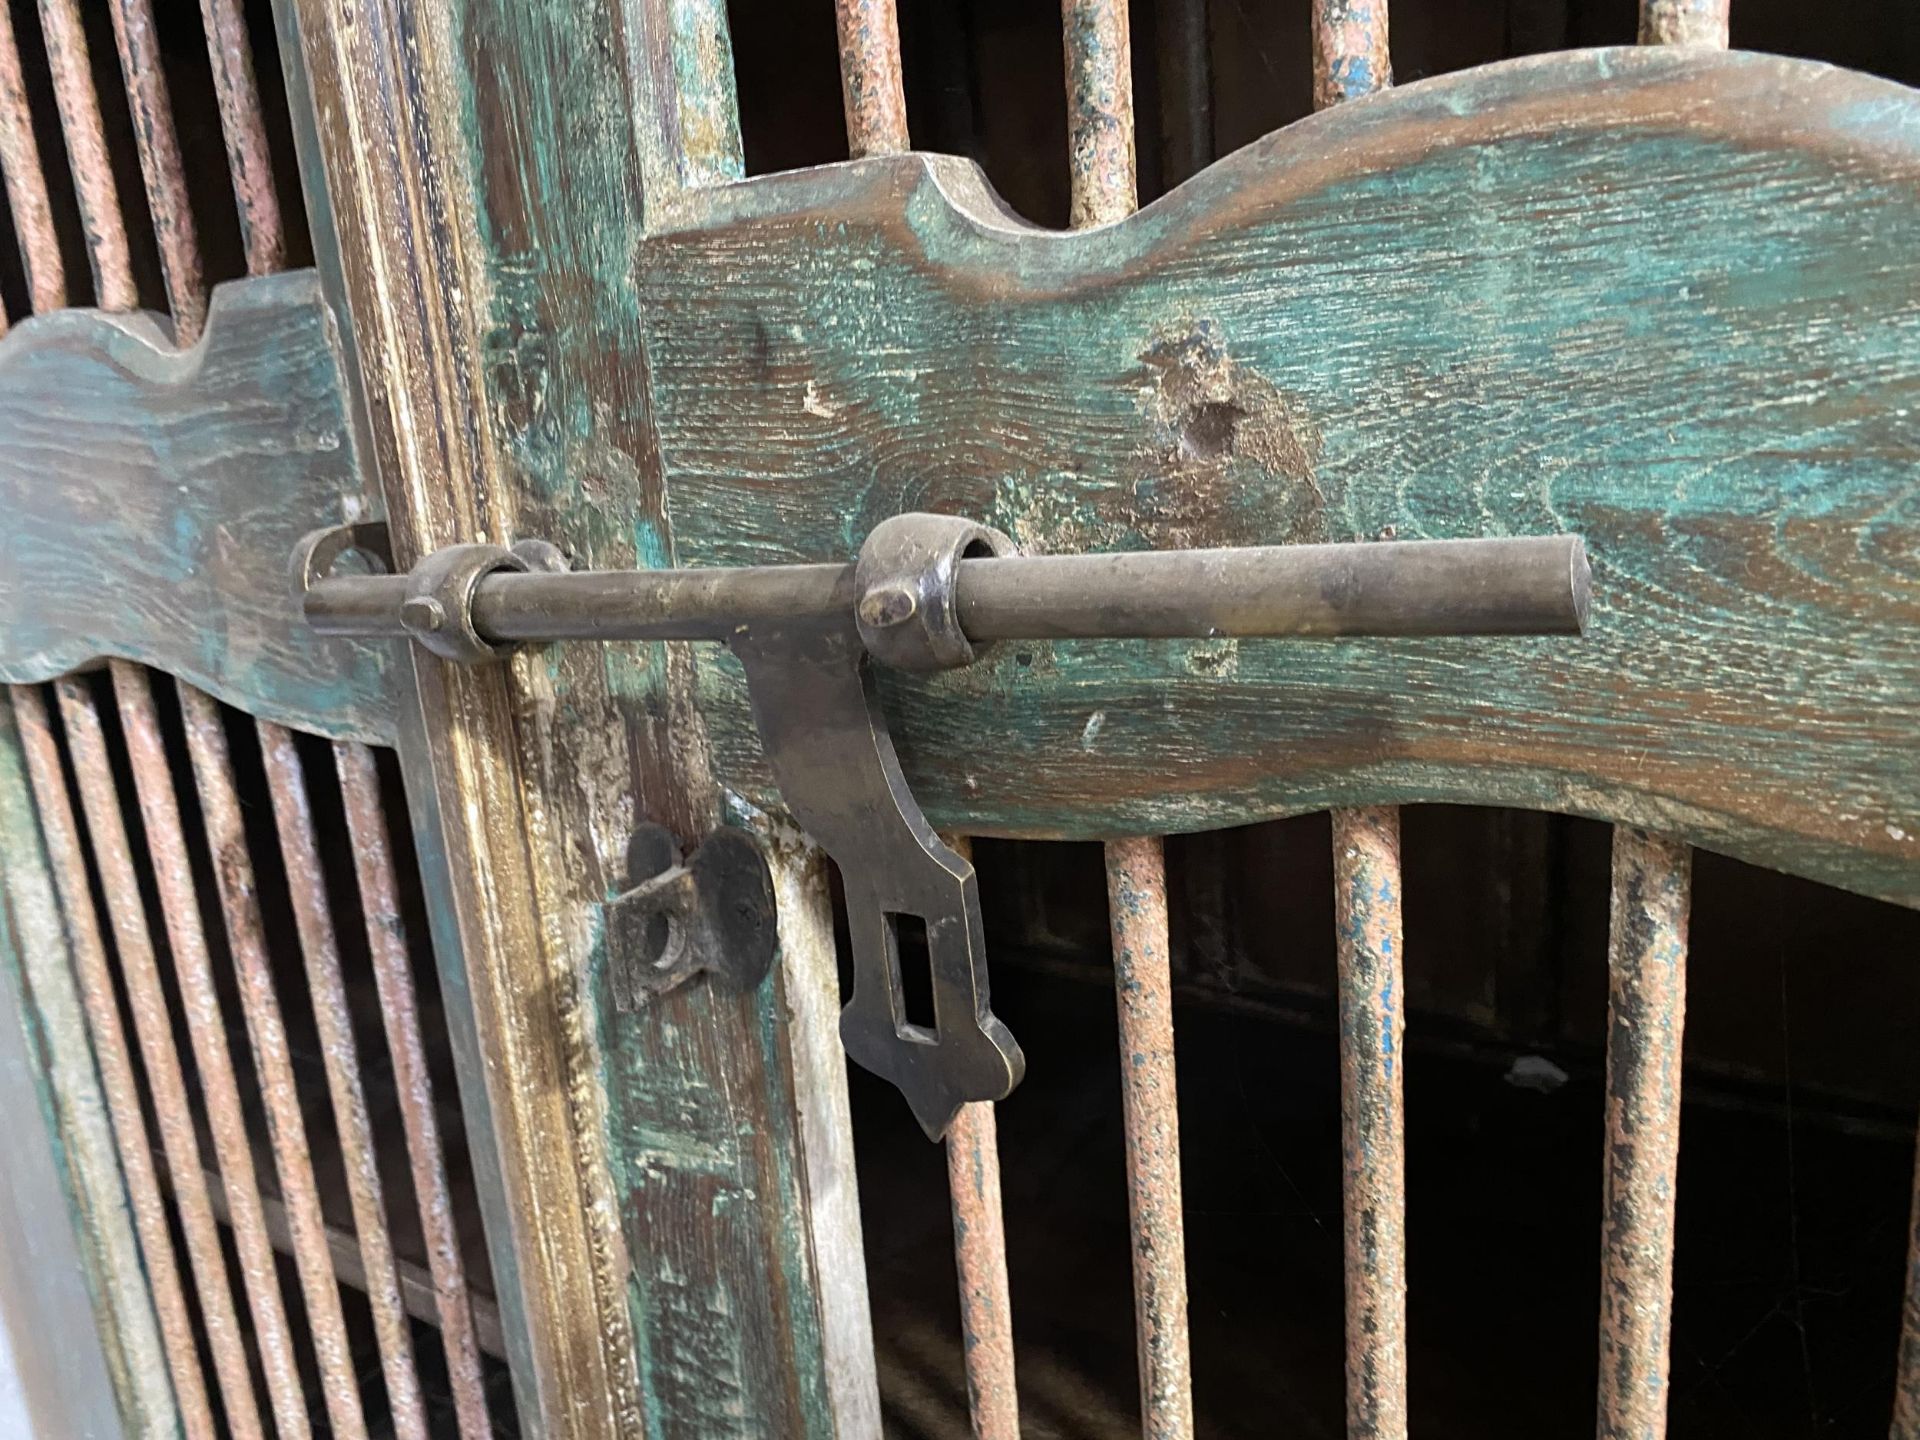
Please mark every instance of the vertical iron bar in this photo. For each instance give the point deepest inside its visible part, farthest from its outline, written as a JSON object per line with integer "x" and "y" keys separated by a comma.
{"x": 1351, "y": 59}
{"x": 1646, "y": 1010}
{"x": 1906, "y": 1389}
{"x": 262, "y": 232}
{"x": 1366, "y": 904}
{"x": 870, "y": 82}
{"x": 1099, "y": 111}
{"x": 145, "y": 74}
{"x": 1685, "y": 22}
{"x": 154, "y": 1028}
{"x": 1652, "y": 895}
{"x": 1137, "y": 906}
{"x": 287, "y": 1130}
{"x": 980, "y": 1257}
{"x": 1350, "y": 56}
{"x": 393, "y": 976}
{"x": 26, "y": 181}
{"x": 86, "y": 136}
{"x": 1186, "y": 89}
{"x": 1101, "y": 171}
{"x": 206, "y": 1029}
{"x": 293, "y": 818}
{"x": 68, "y": 864}
{"x": 980, "y": 1260}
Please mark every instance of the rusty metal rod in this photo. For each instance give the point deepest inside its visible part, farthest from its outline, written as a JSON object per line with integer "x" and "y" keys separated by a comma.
{"x": 1367, "y": 929}
{"x": 142, "y": 66}
{"x": 980, "y": 1258}
{"x": 876, "y": 99}
{"x": 286, "y": 1127}
{"x": 86, "y": 137}
{"x": 26, "y": 181}
{"x": 262, "y": 233}
{"x": 343, "y": 1247}
{"x": 1350, "y": 57}
{"x": 1143, "y": 981}
{"x": 1523, "y": 586}
{"x": 1906, "y": 1389}
{"x": 393, "y": 977}
{"x": 1685, "y": 22}
{"x": 1646, "y": 1011}
{"x": 1100, "y": 154}
{"x": 67, "y": 860}
{"x": 377, "y": 1270}
{"x": 153, "y": 1026}
{"x": 206, "y": 1030}
{"x": 1649, "y": 906}
{"x": 1100, "y": 144}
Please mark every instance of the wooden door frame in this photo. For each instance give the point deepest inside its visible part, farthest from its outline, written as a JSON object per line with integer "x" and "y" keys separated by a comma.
{"x": 476, "y": 175}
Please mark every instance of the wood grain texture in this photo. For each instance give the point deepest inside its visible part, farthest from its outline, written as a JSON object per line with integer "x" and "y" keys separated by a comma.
{"x": 486, "y": 164}
{"x": 1668, "y": 300}
{"x": 153, "y": 496}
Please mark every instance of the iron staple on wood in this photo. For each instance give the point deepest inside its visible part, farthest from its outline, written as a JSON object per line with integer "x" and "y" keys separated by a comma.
{"x": 925, "y": 593}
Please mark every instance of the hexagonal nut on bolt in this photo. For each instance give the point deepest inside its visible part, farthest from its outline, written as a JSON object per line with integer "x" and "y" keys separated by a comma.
{"x": 423, "y": 612}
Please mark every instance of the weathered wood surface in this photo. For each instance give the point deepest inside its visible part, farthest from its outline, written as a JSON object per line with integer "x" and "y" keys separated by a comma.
{"x": 152, "y": 497}
{"x": 1668, "y": 300}
{"x": 651, "y": 1214}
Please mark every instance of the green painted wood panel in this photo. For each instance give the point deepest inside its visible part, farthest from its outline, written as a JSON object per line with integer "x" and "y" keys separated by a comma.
{"x": 1668, "y": 300}
{"x": 153, "y": 497}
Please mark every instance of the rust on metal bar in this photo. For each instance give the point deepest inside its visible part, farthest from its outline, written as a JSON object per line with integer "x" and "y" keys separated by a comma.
{"x": 159, "y": 146}
{"x": 86, "y": 136}
{"x": 1685, "y": 22}
{"x": 67, "y": 859}
{"x": 1367, "y": 929}
{"x": 1906, "y": 1389}
{"x": 262, "y": 232}
{"x": 378, "y": 1272}
{"x": 1099, "y": 111}
{"x": 1137, "y": 907}
{"x": 286, "y": 1128}
{"x": 26, "y": 180}
{"x": 415, "y": 1282}
{"x": 393, "y": 976}
{"x": 870, "y": 80}
{"x": 1646, "y": 1010}
{"x": 153, "y": 1026}
{"x": 980, "y": 1257}
{"x": 1350, "y": 57}
{"x": 206, "y": 1030}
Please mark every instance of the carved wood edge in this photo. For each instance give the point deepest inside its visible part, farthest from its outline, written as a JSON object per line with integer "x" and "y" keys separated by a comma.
{"x": 153, "y": 496}
{"x": 1665, "y": 298}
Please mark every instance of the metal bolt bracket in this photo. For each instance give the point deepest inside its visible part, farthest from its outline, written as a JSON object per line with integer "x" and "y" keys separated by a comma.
{"x": 713, "y": 914}
{"x": 438, "y": 610}
{"x": 906, "y": 578}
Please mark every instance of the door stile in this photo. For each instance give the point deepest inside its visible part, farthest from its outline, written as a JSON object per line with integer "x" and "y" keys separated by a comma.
{"x": 487, "y": 277}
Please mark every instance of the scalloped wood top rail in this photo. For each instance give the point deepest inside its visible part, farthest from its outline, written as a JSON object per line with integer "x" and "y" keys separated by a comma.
{"x": 1667, "y": 300}
{"x": 152, "y": 496}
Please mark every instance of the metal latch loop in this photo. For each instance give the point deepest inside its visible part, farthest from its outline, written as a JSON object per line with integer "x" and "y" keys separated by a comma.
{"x": 907, "y": 579}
